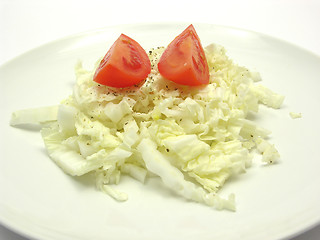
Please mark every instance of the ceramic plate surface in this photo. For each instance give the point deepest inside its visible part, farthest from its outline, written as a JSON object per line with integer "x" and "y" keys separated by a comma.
{"x": 40, "y": 201}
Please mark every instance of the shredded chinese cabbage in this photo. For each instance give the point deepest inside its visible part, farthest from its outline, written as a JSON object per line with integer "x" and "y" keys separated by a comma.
{"x": 193, "y": 138}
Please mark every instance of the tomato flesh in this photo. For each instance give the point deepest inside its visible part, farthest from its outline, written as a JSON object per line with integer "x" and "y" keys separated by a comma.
{"x": 184, "y": 61}
{"x": 125, "y": 64}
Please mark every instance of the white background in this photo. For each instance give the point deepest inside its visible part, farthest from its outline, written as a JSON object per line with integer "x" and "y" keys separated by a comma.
{"x": 26, "y": 24}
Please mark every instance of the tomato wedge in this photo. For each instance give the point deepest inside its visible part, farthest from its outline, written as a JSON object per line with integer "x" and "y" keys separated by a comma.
{"x": 125, "y": 64}
{"x": 184, "y": 61}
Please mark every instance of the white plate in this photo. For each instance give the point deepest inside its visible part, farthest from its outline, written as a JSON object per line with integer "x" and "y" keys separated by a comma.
{"x": 39, "y": 200}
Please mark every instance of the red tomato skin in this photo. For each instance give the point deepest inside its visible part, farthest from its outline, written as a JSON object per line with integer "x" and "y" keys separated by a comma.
{"x": 184, "y": 60}
{"x": 125, "y": 64}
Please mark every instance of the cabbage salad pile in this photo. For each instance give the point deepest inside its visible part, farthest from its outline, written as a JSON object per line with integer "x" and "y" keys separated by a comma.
{"x": 193, "y": 138}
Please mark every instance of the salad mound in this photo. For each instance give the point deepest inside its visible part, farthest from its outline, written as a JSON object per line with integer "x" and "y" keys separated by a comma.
{"x": 193, "y": 138}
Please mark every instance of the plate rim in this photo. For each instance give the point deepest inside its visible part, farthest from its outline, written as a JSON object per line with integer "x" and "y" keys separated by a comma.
{"x": 106, "y": 28}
